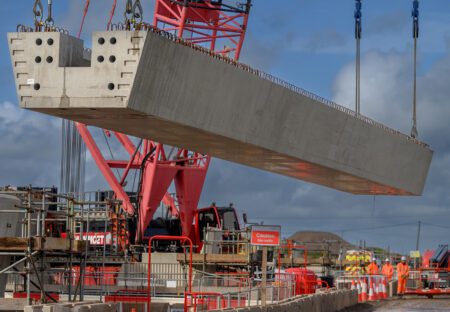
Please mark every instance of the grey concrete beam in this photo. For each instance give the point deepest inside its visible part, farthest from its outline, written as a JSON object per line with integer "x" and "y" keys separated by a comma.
{"x": 144, "y": 84}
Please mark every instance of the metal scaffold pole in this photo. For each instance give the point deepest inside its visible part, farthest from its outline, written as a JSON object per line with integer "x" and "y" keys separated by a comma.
{"x": 29, "y": 250}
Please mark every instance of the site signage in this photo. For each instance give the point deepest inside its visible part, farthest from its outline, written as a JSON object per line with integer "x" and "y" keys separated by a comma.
{"x": 265, "y": 235}
{"x": 94, "y": 238}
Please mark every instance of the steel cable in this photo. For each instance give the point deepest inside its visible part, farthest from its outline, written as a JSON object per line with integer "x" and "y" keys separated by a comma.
{"x": 415, "y": 16}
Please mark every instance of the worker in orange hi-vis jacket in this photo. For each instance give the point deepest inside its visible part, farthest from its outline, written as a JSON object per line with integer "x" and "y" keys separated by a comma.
{"x": 388, "y": 269}
{"x": 372, "y": 269}
{"x": 402, "y": 274}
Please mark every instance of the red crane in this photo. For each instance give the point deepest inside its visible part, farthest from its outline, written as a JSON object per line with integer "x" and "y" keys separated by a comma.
{"x": 214, "y": 24}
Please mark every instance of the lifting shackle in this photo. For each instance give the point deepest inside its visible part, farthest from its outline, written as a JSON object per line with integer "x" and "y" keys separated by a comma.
{"x": 38, "y": 12}
{"x": 133, "y": 13}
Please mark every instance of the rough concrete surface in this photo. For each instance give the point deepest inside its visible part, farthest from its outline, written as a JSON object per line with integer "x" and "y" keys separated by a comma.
{"x": 73, "y": 307}
{"x": 330, "y": 301}
{"x": 151, "y": 87}
{"x": 12, "y": 305}
{"x": 412, "y": 304}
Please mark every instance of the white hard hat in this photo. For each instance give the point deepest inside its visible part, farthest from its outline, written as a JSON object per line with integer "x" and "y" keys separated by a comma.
{"x": 387, "y": 260}
{"x": 374, "y": 259}
{"x": 403, "y": 258}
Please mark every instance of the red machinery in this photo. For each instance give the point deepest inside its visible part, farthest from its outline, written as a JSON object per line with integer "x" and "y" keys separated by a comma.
{"x": 433, "y": 277}
{"x": 211, "y": 23}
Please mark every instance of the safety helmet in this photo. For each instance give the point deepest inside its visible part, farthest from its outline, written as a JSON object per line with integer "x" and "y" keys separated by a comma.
{"x": 387, "y": 260}
{"x": 374, "y": 259}
{"x": 403, "y": 258}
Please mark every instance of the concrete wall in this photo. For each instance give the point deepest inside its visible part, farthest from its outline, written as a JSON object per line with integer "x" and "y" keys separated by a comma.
{"x": 74, "y": 307}
{"x": 322, "y": 302}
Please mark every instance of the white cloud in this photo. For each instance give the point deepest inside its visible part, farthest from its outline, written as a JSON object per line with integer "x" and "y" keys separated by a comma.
{"x": 30, "y": 147}
{"x": 386, "y": 92}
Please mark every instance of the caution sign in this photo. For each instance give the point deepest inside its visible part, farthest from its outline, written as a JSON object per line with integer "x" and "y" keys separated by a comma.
{"x": 414, "y": 254}
{"x": 265, "y": 235}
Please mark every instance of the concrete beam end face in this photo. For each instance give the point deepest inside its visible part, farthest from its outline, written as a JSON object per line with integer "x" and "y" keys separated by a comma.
{"x": 145, "y": 85}
{"x": 57, "y": 75}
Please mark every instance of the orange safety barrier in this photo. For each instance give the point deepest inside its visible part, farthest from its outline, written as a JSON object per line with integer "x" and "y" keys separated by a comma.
{"x": 203, "y": 301}
{"x": 107, "y": 275}
{"x": 89, "y": 276}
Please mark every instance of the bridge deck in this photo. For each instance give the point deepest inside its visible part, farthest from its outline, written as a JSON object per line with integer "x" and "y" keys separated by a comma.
{"x": 148, "y": 85}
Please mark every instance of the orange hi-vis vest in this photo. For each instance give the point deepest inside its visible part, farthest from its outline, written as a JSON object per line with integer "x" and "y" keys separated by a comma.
{"x": 388, "y": 271}
{"x": 402, "y": 270}
{"x": 372, "y": 269}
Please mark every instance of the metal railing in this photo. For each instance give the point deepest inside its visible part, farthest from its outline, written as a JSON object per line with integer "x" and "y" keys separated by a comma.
{"x": 219, "y": 241}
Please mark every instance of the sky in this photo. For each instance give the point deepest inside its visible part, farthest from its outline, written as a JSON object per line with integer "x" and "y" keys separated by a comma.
{"x": 310, "y": 44}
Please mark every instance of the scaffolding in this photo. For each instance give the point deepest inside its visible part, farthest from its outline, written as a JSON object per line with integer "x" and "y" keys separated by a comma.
{"x": 56, "y": 244}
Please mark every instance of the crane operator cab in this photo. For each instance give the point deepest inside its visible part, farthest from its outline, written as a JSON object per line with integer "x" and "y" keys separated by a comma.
{"x": 219, "y": 226}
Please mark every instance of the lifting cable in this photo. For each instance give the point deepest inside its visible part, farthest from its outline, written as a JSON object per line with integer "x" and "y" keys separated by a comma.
{"x": 415, "y": 16}
{"x": 86, "y": 9}
{"x": 358, "y": 32}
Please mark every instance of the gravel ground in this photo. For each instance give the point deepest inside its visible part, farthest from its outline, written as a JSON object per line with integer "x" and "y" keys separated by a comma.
{"x": 404, "y": 305}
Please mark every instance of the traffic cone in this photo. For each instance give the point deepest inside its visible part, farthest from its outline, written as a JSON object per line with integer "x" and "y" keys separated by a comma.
{"x": 358, "y": 287}
{"x": 371, "y": 291}
{"x": 376, "y": 292}
{"x": 364, "y": 290}
{"x": 384, "y": 286}
{"x": 353, "y": 285}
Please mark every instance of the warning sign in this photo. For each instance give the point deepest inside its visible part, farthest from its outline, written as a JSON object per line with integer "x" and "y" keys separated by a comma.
{"x": 265, "y": 235}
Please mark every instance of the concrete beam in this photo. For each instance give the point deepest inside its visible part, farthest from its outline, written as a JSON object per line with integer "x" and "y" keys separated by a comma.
{"x": 147, "y": 85}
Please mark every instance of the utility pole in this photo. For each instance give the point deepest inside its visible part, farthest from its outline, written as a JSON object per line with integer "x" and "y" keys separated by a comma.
{"x": 418, "y": 235}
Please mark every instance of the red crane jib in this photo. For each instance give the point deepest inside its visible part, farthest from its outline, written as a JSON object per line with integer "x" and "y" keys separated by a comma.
{"x": 212, "y": 25}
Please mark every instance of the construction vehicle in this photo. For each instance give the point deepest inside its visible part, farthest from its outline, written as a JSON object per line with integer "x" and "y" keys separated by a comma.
{"x": 432, "y": 278}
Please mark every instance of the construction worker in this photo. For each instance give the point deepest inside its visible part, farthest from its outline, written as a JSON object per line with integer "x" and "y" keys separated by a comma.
{"x": 372, "y": 269}
{"x": 402, "y": 275}
{"x": 388, "y": 269}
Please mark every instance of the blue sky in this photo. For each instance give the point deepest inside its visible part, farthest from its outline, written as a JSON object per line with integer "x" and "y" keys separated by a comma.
{"x": 311, "y": 44}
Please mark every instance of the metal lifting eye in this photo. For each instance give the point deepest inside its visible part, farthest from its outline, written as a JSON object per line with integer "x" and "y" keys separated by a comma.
{"x": 138, "y": 12}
